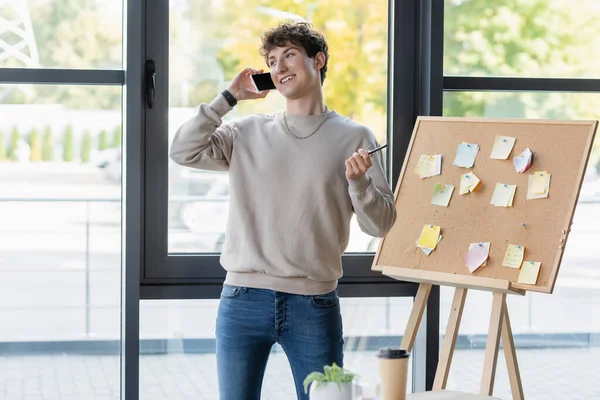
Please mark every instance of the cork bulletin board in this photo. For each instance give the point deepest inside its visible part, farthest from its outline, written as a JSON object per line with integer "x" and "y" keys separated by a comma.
{"x": 541, "y": 225}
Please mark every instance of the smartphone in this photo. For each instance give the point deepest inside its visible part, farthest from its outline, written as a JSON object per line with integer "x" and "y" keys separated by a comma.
{"x": 263, "y": 81}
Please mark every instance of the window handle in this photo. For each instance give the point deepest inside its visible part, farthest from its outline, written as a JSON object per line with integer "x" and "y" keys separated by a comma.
{"x": 150, "y": 83}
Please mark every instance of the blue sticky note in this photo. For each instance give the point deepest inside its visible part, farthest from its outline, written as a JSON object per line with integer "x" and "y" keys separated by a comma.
{"x": 465, "y": 155}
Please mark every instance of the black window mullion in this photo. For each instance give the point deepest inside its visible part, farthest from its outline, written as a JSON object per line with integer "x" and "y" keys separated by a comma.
{"x": 62, "y": 76}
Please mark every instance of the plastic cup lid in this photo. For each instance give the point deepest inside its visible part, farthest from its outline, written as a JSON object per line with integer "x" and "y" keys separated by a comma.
{"x": 389, "y": 352}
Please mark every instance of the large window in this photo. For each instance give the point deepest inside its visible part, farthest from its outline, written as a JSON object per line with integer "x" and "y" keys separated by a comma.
{"x": 537, "y": 38}
{"x": 80, "y": 34}
{"x": 60, "y": 241}
{"x": 495, "y": 54}
{"x": 198, "y": 200}
{"x": 60, "y": 198}
{"x": 195, "y": 59}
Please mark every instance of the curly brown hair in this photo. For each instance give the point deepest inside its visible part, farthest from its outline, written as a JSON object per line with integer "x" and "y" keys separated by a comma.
{"x": 298, "y": 33}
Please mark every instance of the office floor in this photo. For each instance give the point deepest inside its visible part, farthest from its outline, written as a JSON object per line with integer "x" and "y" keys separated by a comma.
{"x": 567, "y": 374}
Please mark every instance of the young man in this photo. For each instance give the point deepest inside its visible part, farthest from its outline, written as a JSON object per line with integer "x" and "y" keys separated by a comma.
{"x": 296, "y": 178}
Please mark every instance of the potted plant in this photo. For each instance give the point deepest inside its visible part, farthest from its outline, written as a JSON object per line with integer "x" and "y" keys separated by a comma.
{"x": 335, "y": 383}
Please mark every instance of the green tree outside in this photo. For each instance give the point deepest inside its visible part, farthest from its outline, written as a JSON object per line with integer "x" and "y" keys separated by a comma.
{"x": 3, "y": 154}
{"x": 14, "y": 140}
{"x": 68, "y": 150}
{"x": 35, "y": 146}
{"x": 103, "y": 140}
{"x": 116, "y": 141}
{"x": 86, "y": 147}
{"x": 47, "y": 145}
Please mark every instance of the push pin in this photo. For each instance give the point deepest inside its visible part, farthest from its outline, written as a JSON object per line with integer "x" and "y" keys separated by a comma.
{"x": 522, "y": 223}
{"x": 504, "y": 140}
{"x": 518, "y": 247}
{"x": 505, "y": 185}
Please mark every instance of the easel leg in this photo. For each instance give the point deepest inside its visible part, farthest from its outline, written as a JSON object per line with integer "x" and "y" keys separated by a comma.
{"x": 443, "y": 369}
{"x": 416, "y": 314}
{"x": 511, "y": 358}
{"x": 493, "y": 342}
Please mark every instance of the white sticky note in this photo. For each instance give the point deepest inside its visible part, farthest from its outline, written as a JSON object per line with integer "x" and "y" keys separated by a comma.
{"x": 441, "y": 194}
{"x": 523, "y": 161}
{"x": 503, "y": 195}
{"x": 503, "y": 145}
{"x": 465, "y": 155}
{"x": 468, "y": 183}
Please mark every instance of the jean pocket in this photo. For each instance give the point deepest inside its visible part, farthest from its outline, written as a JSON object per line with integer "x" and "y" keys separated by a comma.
{"x": 230, "y": 291}
{"x": 328, "y": 300}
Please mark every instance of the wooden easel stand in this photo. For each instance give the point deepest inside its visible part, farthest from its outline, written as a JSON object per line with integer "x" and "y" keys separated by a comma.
{"x": 499, "y": 329}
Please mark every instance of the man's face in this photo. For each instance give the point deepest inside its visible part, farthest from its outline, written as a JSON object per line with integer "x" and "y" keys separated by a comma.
{"x": 295, "y": 74}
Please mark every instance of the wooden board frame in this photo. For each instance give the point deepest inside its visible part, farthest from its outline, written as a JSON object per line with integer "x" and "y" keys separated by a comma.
{"x": 399, "y": 257}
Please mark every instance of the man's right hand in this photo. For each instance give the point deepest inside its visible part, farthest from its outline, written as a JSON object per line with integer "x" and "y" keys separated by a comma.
{"x": 242, "y": 87}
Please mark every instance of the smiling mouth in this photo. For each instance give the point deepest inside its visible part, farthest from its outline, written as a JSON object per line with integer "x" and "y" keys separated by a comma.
{"x": 287, "y": 79}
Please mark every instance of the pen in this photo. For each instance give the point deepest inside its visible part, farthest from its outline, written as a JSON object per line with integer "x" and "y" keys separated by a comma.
{"x": 377, "y": 149}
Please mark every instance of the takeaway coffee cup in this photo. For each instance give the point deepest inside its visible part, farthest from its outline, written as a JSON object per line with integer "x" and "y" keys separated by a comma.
{"x": 393, "y": 368}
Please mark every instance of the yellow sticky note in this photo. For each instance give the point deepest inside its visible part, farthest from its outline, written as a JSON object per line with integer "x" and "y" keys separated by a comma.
{"x": 529, "y": 272}
{"x": 503, "y": 195}
{"x": 531, "y": 183}
{"x": 503, "y": 145}
{"x": 539, "y": 182}
{"x": 429, "y": 236}
{"x": 468, "y": 183}
{"x": 442, "y": 194}
{"x": 514, "y": 256}
{"x": 425, "y": 165}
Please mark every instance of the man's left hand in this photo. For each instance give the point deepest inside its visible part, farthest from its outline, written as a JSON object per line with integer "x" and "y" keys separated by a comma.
{"x": 358, "y": 164}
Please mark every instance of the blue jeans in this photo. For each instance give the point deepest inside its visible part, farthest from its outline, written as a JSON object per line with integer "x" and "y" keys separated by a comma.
{"x": 250, "y": 321}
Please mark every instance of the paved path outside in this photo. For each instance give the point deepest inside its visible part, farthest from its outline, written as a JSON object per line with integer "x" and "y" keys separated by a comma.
{"x": 565, "y": 374}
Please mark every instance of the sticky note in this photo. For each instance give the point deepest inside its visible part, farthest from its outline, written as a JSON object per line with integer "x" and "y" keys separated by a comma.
{"x": 529, "y": 272}
{"x": 468, "y": 183}
{"x": 487, "y": 248}
{"x": 539, "y": 182}
{"x": 465, "y": 155}
{"x": 503, "y": 195}
{"x": 531, "y": 184}
{"x": 428, "y": 165}
{"x": 429, "y": 236}
{"x": 522, "y": 162}
{"x": 475, "y": 257}
{"x": 442, "y": 194}
{"x": 514, "y": 256}
{"x": 426, "y": 250}
{"x": 503, "y": 145}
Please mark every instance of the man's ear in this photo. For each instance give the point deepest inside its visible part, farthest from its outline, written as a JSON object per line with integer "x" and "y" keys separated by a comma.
{"x": 319, "y": 60}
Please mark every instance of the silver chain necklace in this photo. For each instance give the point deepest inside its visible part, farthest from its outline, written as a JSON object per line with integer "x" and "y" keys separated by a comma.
{"x": 313, "y": 132}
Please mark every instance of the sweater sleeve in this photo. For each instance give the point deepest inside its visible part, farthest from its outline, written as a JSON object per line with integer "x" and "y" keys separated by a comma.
{"x": 372, "y": 198}
{"x": 205, "y": 142}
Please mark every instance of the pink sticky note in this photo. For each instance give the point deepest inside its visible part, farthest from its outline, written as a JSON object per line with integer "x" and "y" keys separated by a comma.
{"x": 475, "y": 257}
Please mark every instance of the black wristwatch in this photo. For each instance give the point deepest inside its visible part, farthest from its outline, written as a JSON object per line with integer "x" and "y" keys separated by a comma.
{"x": 229, "y": 97}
